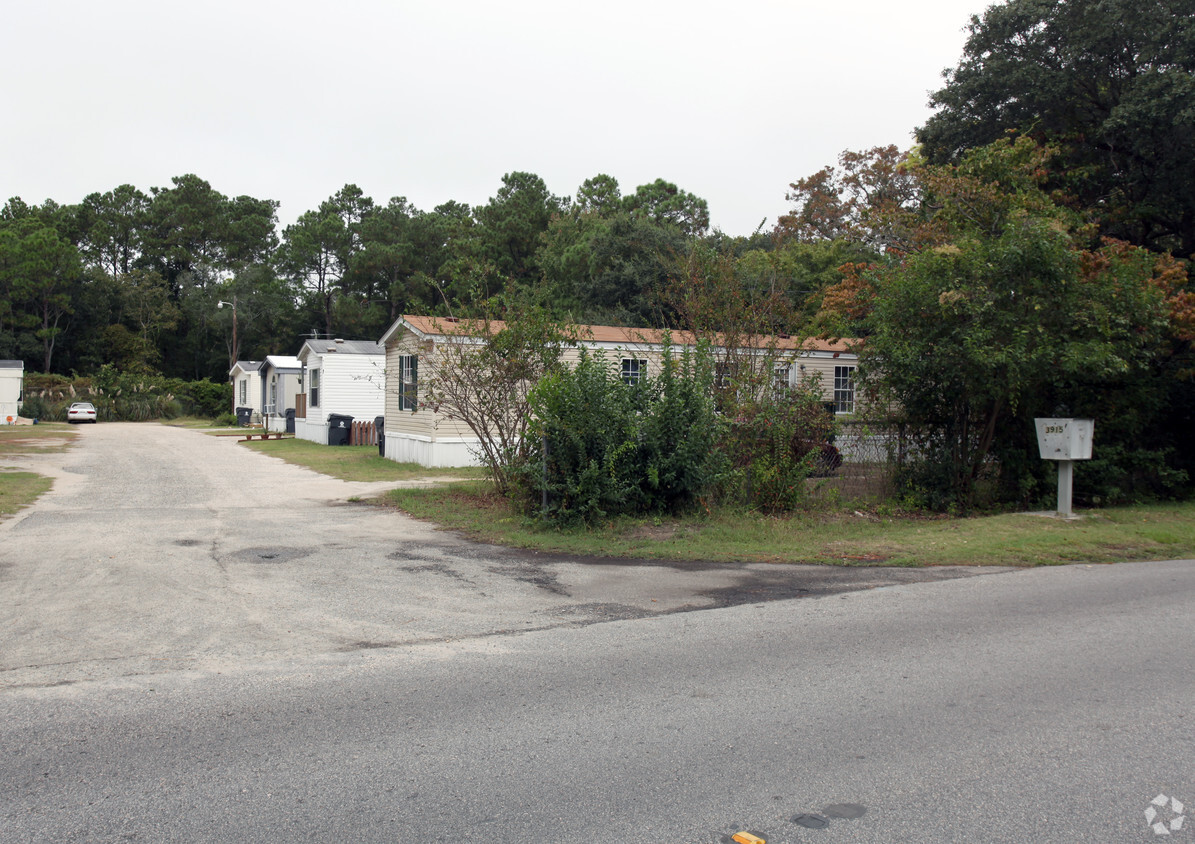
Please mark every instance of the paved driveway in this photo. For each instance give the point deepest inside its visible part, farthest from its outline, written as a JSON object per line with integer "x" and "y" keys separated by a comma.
{"x": 161, "y": 549}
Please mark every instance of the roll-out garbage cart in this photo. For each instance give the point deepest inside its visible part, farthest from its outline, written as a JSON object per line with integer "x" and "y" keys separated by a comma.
{"x": 244, "y": 416}
{"x": 290, "y": 420}
{"x": 339, "y": 429}
{"x": 379, "y": 425}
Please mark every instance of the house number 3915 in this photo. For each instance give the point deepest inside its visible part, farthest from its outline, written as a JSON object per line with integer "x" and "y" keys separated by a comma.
{"x": 1054, "y": 429}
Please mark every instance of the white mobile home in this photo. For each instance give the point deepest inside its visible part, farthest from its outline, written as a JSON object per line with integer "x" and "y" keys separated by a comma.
{"x": 281, "y": 381}
{"x": 347, "y": 377}
{"x": 12, "y": 376}
{"x": 245, "y": 377}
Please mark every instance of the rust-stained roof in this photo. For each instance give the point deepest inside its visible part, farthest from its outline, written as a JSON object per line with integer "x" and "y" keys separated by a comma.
{"x": 450, "y": 326}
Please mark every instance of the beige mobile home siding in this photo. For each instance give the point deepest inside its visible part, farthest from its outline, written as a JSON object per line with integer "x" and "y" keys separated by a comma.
{"x": 421, "y": 436}
{"x": 425, "y": 437}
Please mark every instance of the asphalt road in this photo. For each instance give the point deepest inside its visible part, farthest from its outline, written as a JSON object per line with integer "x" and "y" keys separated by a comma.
{"x": 162, "y": 679}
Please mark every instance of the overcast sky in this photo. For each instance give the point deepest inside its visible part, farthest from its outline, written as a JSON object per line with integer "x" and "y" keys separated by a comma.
{"x": 435, "y": 101}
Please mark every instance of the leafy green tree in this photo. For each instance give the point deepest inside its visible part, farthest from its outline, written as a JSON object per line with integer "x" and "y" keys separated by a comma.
{"x": 40, "y": 274}
{"x": 664, "y": 204}
{"x": 267, "y": 321}
{"x": 320, "y": 254}
{"x": 803, "y": 272}
{"x": 1007, "y": 311}
{"x": 250, "y": 232}
{"x": 397, "y": 268}
{"x": 113, "y": 226}
{"x": 1109, "y": 83}
{"x": 604, "y": 263}
{"x": 310, "y": 249}
{"x": 512, "y": 222}
{"x": 185, "y": 229}
{"x": 147, "y": 306}
{"x": 599, "y": 195}
{"x": 196, "y": 238}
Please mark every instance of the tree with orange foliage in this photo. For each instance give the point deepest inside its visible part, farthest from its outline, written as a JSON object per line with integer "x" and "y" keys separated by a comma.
{"x": 1003, "y": 311}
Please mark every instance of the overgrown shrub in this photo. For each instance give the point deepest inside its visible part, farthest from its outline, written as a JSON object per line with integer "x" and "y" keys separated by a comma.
{"x": 200, "y": 398}
{"x": 36, "y": 407}
{"x": 601, "y": 447}
{"x": 777, "y": 441}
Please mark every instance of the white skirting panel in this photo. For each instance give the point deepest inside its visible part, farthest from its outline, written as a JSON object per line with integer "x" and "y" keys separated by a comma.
{"x": 443, "y": 453}
{"x": 315, "y": 431}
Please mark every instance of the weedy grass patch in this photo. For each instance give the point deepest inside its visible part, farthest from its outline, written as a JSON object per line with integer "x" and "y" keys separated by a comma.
{"x": 826, "y": 536}
{"x": 20, "y": 489}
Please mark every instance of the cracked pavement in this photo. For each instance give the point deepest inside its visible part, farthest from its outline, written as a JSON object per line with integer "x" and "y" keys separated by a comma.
{"x": 161, "y": 549}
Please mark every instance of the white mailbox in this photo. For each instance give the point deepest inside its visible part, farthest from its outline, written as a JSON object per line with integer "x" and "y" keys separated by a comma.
{"x": 1065, "y": 439}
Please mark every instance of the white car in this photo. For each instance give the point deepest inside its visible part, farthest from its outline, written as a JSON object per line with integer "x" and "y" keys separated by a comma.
{"x": 81, "y": 411}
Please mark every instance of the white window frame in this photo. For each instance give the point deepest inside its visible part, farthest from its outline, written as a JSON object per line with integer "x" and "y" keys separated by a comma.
{"x": 313, "y": 390}
{"x": 243, "y": 383}
{"x": 781, "y": 379}
{"x": 408, "y": 382}
{"x": 844, "y": 389}
{"x": 634, "y": 370}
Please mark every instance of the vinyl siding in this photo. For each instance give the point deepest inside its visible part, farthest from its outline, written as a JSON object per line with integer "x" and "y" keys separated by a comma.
{"x": 351, "y": 385}
{"x": 424, "y": 431}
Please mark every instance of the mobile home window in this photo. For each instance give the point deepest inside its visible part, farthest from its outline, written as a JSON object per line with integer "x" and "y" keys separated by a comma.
{"x": 408, "y": 382}
{"x": 634, "y": 370}
{"x": 244, "y": 389}
{"x": 844, "y": 389}
{"x": 315, "y": 388}
{"x": 780, "y": 379}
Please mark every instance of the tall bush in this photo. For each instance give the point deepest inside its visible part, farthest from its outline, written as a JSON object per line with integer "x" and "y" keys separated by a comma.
{"x": 601, "y": 447}
{"x": 775, "y": 442}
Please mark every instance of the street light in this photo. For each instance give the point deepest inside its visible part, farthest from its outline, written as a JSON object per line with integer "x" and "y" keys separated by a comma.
{"x": 236, "y": 349}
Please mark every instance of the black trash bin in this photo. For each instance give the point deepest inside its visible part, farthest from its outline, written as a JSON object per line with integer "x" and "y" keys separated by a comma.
{"x": 339, "y": 429}
{"x": 379, "y": 425}
{"x": 290, "y": 420}
{"x": 244, "y": 416}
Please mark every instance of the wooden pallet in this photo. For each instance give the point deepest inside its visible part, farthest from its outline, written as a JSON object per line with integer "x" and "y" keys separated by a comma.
{"x": 272, "y": 435}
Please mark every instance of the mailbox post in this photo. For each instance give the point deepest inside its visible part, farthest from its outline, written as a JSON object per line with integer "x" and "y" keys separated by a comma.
{"x": 1065, "y": 440}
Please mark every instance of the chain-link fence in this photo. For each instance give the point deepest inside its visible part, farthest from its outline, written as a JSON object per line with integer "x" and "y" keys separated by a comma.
{"x": 870, "y": 455}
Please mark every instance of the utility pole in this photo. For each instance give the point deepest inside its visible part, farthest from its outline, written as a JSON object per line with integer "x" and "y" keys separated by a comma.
{"x": 236, "y": 349}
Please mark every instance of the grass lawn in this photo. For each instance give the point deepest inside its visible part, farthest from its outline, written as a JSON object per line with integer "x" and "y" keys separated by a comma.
{"x": 20, "y": 489}
{"x": 198, "y": 422}
{"x": 838, "y": 537}
{"x": 350, "y": 462}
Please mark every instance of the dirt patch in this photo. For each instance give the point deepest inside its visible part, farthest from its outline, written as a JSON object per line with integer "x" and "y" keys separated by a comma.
{"x": 656, "y": 533}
